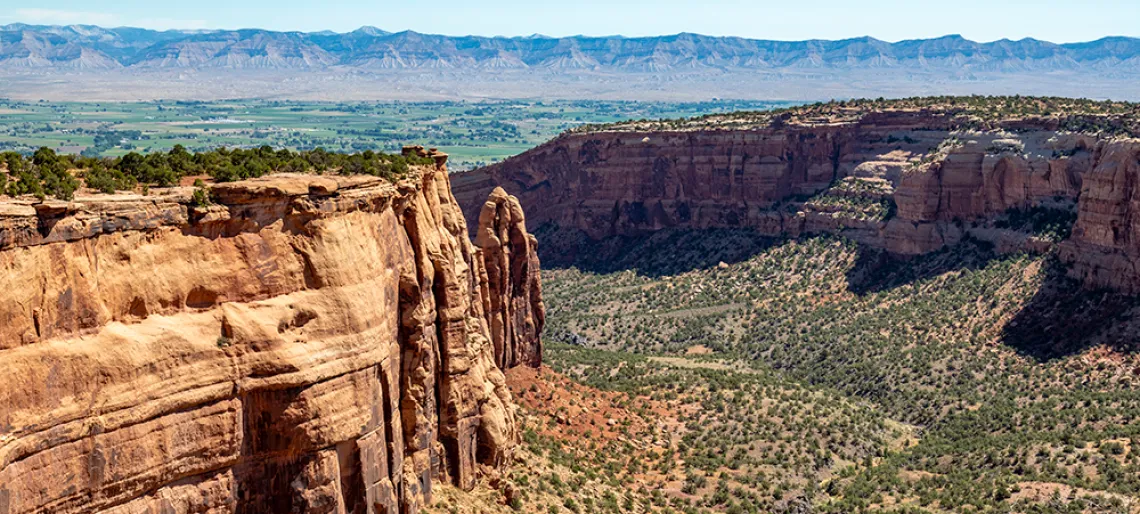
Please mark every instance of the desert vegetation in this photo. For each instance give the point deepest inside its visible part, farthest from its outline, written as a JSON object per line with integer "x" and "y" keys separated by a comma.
{"x": 617, "y": 432}
{"x": 47, "y": 173}
{"x": 972, "y": 381}
{"x": 853, "y": 198}
{"x": 1108, "y": 118}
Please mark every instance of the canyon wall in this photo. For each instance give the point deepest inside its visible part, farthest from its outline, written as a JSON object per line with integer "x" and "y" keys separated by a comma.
{"x": 909, "y": 182}
{"x": 1105, "y": 248}
{"x": 304, "y": 344}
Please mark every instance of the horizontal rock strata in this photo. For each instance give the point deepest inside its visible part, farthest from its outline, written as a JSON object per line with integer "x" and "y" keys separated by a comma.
{"x": 909, "y": 182}
{"x": 305, "y": 344}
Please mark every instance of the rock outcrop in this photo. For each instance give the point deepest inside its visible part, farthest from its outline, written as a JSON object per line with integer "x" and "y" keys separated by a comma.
{"x": 906, "y": 181}
{"x": 514, "y": 288}
{"x": 305, "y": 344}
{"x": 1105, "y": 247}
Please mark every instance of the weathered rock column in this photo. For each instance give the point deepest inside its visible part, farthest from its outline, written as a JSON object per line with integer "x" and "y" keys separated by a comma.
{"x": 514, "y": 300}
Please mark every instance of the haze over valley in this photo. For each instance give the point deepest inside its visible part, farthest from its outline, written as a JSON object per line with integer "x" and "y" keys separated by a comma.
{"x": 127, "y": 64}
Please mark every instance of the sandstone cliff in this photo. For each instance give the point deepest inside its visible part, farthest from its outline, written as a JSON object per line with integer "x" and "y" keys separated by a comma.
{"x": 306, "y": 344}
{"x": 513, "y": 296}
{"x": 907, "y": 181}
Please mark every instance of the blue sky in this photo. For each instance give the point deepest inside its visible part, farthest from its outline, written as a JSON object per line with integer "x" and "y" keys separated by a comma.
{"x": 892, "y": 20}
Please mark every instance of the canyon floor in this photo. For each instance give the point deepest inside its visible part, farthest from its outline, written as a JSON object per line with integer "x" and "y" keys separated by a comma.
{"x": 810, "y": 375}
{"x": 723, "y": 371}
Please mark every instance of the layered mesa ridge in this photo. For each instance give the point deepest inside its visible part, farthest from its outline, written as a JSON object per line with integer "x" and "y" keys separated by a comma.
{"x": 909, "y": 181}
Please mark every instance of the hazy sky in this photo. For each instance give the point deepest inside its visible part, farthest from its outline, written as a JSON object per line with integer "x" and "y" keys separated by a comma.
{"x": 1054, "y": 20}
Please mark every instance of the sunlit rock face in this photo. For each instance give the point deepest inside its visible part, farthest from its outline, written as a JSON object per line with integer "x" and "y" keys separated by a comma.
{"x": 909, "y": 182}
{"x": 306, "y": 344}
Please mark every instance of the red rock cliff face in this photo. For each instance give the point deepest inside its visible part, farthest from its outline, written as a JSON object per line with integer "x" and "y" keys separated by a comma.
{"x": 617, "y": 183}
{"x": 307, "y": 344}
{"x": 938, "y": 179}
{"x": 1105, "y": 247}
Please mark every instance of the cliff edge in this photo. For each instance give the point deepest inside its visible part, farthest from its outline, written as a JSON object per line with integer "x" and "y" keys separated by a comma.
{"x": 908, "y": 180}
{"x": 303, "y": 344}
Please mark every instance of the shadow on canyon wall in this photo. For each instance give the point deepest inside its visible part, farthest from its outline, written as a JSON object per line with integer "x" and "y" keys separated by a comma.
{"x": 1061, "y": 319}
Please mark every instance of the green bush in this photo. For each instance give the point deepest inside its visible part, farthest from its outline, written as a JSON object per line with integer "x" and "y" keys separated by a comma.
{"x": 105, "y": 180}
{"x": 47, "y": 173}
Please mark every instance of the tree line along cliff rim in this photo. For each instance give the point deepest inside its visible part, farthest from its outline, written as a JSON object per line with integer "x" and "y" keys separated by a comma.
{"x": 47, "y": 173}
{"x": 1117, "y": 118}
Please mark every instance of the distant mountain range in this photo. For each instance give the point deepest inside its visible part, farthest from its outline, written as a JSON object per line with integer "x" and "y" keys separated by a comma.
{"x": 85, "y": 47}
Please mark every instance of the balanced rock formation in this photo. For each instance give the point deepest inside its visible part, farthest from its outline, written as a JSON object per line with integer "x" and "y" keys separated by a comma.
{"x": 909, "y": 181}
{"x": 306, "y": 344}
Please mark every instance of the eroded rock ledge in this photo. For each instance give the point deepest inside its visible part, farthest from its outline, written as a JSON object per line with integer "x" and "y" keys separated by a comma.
{"x": 306, "y": 344}
{"x": 906, "y": 181}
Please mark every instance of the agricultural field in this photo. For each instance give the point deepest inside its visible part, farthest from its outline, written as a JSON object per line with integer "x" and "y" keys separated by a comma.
{"x": 474, "y": 134}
